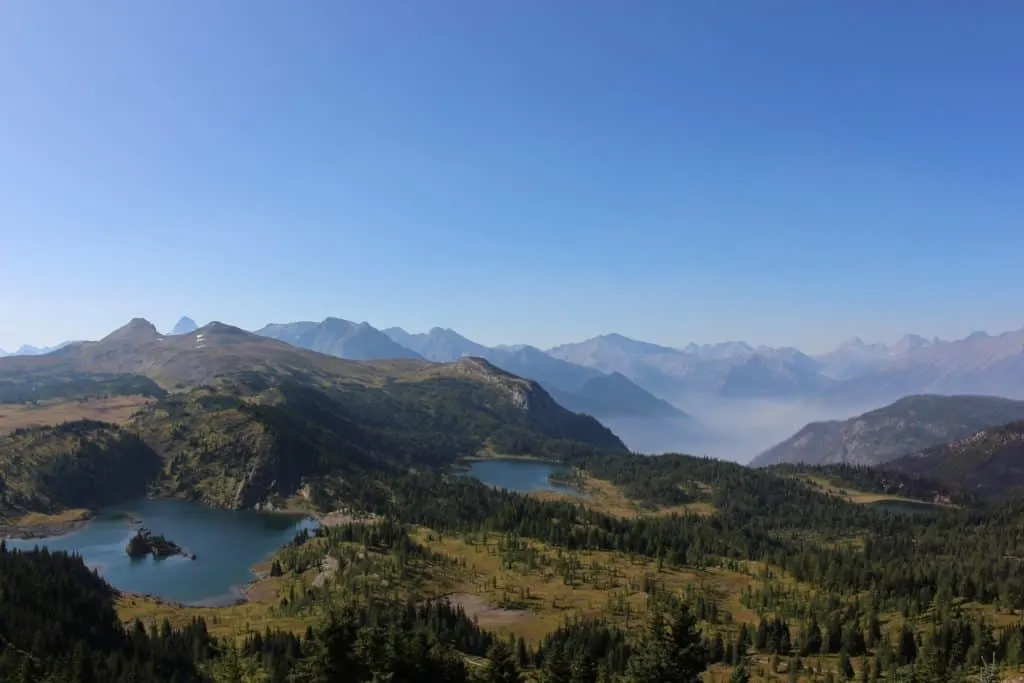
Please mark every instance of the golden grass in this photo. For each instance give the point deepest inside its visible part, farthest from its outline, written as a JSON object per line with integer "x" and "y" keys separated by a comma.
{"x": 36, "y": 519}
{"x": 603, "y": 496}
{"x": 263, "y": 596}
{"x": 506, "y": 592}
{"x": 116, "y": 409}
{"x": 605, "y": 584}
{"x": 859, "y": 497}
{"x": 234, "y": 621}
{"x": 760, "y": 669}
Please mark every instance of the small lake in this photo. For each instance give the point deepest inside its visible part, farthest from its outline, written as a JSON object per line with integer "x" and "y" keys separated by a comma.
{"x": 227, "y": 543}
{"x": 522, "y": 476}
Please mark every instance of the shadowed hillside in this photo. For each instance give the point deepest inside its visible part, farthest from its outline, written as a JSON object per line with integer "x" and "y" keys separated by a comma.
{"x": 989, "y": 463}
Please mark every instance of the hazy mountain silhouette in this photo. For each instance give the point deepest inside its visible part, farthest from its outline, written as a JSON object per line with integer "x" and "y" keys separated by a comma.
{"x": 576, "y": 387}
{"x": 341, "y": 338}
{"x": 978, "y": 364}
{"x": 733, "y": 369}
{"x": 184, "y": 326}
{"x": 439, "y": 344}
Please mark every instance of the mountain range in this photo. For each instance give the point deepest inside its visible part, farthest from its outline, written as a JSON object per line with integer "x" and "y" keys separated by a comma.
{"x": 337, "y": 337}
{"x": 577, "y": 387}
{"x": 977, "y": 364}
{"x": 614, "y": 377}
{"x": 27, "y": 350}
{"x": 732, "y": 369}
{"x": 236, "y": 419}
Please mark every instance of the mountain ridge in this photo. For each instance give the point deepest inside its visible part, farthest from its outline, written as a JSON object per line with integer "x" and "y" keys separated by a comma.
{"x": 248, "y": 418}
{"x": 910, "y": 424}
{"x": 733, "y": 369}
{"x": 855, "y": 374}
{"x": 576, "y": 387}
{"x": 338, "y": 337}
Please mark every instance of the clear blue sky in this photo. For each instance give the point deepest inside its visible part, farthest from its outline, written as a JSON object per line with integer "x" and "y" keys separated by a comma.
{"x": 782, "y": 172}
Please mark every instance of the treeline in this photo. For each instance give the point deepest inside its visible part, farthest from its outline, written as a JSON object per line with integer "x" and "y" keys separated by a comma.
{"x": 58, "y": 623}
{"x": 820, "y": 539}
{"x": 75, "y": 387}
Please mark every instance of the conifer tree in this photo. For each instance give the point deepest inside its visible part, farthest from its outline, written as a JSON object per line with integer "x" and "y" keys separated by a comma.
{"x": 501, "y": 667}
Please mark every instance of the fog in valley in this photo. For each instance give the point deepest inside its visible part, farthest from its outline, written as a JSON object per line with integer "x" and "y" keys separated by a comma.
{"x": 730, "y": 429}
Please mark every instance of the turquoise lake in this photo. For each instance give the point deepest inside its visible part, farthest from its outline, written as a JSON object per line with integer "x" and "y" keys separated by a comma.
{"x": 227, "y": 543}
{"x": 521, "y": 476}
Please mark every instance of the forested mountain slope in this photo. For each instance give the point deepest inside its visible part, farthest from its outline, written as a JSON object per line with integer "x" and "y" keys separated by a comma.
{"x": 989, "y": 463}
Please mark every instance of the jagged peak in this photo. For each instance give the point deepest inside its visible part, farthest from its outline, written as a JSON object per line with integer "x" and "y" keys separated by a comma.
{"x": 443, "y": 331}
{"x": 184, "y": 325}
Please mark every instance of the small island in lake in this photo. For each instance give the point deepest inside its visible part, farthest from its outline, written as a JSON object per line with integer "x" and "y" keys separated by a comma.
{"x": 145, "y": 542}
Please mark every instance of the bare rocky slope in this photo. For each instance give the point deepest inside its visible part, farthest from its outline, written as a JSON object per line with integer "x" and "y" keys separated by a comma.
{"x": 906, "y": 426}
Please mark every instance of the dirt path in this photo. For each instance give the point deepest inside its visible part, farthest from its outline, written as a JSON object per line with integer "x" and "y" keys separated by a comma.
{"x": 339, "y": 517}
{"x": 328, "y": 568}
{"x": 487, "y": 615}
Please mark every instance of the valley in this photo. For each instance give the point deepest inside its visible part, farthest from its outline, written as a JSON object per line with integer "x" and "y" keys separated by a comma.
{"x": 309, "y": 485}
{"x": 522, "y": 342}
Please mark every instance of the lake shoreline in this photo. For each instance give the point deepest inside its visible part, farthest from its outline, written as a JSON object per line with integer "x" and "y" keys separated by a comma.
{"x": 237, "y": 595}
{"x": 502, "y": 456}
{"x": 233, "y": 548}
{"x": 35, "y": 525}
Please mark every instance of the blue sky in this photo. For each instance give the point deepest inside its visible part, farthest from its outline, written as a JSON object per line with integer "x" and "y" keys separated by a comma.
{"x": 785, "y": 173}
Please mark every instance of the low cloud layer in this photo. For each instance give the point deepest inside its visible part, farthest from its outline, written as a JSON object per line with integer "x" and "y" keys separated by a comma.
{"x": 730, "y": 429}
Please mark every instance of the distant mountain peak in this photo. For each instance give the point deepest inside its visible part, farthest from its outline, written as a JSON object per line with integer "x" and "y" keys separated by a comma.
{"x": 27, "y": 350}
{"x": 341, "y": 338}
{"x": 138, "y": 330}
{"x": 910, "y": 342}
{"x": 218, "y": 328}
{"x": 184, "y": 326}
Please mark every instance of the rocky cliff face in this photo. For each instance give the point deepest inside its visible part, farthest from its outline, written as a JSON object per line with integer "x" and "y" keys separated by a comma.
{"x": 523, "y": 394}
{"x": 536, "y": 409}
